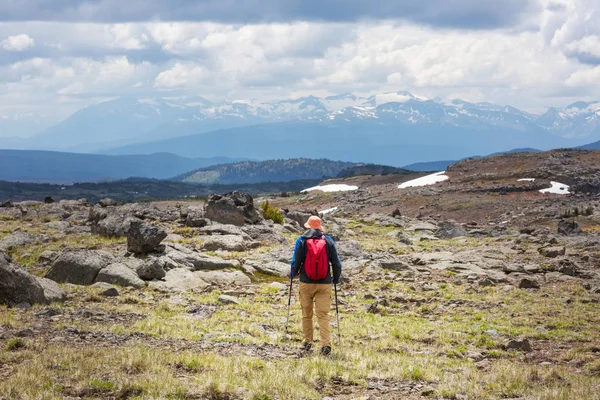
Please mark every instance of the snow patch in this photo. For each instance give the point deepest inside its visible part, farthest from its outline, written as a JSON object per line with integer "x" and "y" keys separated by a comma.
{"x": 526, "y": 180}
{"x": 425, "y": 180}
{"x": 332, "y": 188}
{"x": 557, "y": 188}
{"x": 329, "y": 210}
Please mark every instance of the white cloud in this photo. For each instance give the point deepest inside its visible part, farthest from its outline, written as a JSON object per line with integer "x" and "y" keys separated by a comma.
{"x": 20, "y": 42}
{"x": 548, "y": 60}
{"x": 181, "y": 75}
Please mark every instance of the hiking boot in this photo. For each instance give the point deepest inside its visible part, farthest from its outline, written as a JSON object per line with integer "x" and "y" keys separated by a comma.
{"x": 307, "y": 347}
{"x": 325, "y": 350}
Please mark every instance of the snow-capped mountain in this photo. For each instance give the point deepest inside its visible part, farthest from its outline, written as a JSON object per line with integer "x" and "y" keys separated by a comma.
{"x": 126, "y": 121}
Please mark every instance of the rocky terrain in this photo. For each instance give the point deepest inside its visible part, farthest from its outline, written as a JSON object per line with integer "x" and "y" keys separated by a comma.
{"x": 477, "y": 287}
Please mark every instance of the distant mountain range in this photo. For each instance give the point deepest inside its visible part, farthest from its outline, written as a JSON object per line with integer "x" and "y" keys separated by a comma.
{"x": 392, "y": 128}
{"x": 57, "y": 167}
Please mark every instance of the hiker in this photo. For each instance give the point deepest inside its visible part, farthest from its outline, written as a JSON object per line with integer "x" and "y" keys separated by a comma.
{"x": 313, "y": 254}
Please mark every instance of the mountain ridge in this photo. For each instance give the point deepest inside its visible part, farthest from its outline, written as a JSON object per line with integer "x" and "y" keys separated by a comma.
{"x": 129, "y": 121}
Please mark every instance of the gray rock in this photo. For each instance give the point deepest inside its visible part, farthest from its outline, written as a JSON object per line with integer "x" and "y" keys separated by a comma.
{"x": 423, "y": 226}
{"x": 17, "y": 286}
{"x": 568, "y": 267}
{"x": 224, "y": 299}
{"x": 221, "y": 278}
{"x": 527, "y": 283}
{"x": 264, "y": 234}
{"x": 275, "y": 268}
{"x": 291, "y": 228}
{"x": 223, "y": 229}
{"x": 144, "y": 237}
{"x": 552, "y": 252}
{"x": 113, "y": 226}
{"x": 278, "y": 286}
{"x": 180, "y": 280}
{"x": 236, "y": 208}
{"x": 394, "y": 264}
{"x": 450, "y": 230}
{"x": 80, "y": 267}
{"x": 20, "y": 238}
{"x": 107, "y": 202}
{"x": 6, "y": 204}
{"x": 224, "y": 242}
{"x": 58, "y": 225}
{"x": 191, "y": 259}
{"x": 52, "y": 292}
{"x": 522, "y": 345}
{"x": 120, "y": 274}
{"x": 568, "y": 227}
{"x": 47, "y": 257}
{"x": 194, "y": 217}
{"x": 349, "y": 249}
{"x": 154, "y": 268}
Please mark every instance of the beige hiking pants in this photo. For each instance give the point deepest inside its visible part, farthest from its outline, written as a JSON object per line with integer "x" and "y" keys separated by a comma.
{"x": 320, "y": 295}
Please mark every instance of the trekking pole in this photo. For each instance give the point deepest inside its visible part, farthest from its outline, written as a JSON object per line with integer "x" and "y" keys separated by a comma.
{"x": 287, "y": 322}
{"x": 337, "y": 314}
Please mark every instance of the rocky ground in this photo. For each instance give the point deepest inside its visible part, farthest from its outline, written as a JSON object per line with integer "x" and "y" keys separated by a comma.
{"x": 479, "y": 287}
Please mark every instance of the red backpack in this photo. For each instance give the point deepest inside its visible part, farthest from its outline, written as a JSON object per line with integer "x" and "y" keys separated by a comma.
{"x": 316, "y": 263}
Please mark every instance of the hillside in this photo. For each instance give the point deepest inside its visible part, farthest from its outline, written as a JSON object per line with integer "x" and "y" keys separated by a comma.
{"x": 58, "y": 167}
{"x": 265, "y": 171}
{"x": 475, "y": 287}
{"x": 592, "y": 146}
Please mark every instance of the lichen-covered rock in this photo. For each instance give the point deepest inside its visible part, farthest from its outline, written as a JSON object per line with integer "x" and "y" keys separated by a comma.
{"x": 143, "y": 237}
{"x": 17, "y": 286}
{"x": 235, "y": 208}
{"x": 120, "y": 274}
{"x": 80, "y": 267}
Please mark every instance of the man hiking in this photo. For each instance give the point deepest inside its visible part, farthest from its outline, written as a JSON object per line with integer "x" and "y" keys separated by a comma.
{"x": 313, "y": 254}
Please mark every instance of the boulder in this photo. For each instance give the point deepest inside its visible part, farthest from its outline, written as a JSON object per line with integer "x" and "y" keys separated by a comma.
{"x": 222, "y": 229}
{"x": 194, "y": 217}
{"x": 52, "y": 292}
{"x": 47, "y": 257}
{"x": 58, "y": 225}
{"x": 120, "y": 274}
{"x": 49, "y": 200}
{"x": 113, "y": 226}
{"x": 349, "y": 249}
{"x": 21, "y": 238}
{"x": 275, "y": 268}
{"x": 224, "y": 242}
{"x": 154, "y": 268}
{"x": 221, "y": 278}
{"x": 521, "y": 345}
{"x": 180, "y": 280}
{"x": 450, "y": 230}
{"x": 107, "y": 203}
{"x": 192, "y": 259}
{"x": 17, "y": 286}
{"x": 568, "y": 227}
{"x": 224, "y": 299}
{"x": 6, "y": 204}
{"x": 265, "y": 234}
{"x": 80, "y": 267}
{"x": 235, "y": 208}
{"x": 143, "y": 237}
{"x": 568, "y": 267}
{"x": 552, "y": 252}
{"x": 527, "y": 283}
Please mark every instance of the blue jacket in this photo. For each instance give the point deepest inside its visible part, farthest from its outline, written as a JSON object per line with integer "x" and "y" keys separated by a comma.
{"x": 297, "y": 265}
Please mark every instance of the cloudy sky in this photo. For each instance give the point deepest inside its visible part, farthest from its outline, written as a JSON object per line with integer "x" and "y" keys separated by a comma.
{"x": 59, "y": 55}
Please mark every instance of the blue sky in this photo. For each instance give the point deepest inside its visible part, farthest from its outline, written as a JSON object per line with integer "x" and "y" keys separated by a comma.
{"x": 58, "y": 56}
